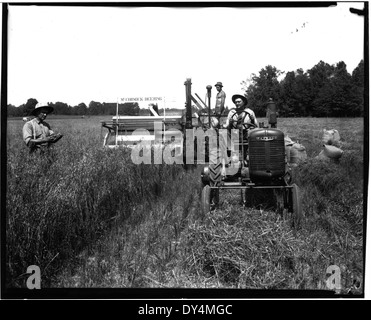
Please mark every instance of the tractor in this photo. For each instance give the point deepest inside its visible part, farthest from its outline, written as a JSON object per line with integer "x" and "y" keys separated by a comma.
{"x": 251, "y": 160}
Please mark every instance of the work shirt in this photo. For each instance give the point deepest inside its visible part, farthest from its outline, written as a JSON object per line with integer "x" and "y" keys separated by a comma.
{"x": 220, "y": 98}
{"x": 235, "y": 119}
{"x": 35, "y": 129}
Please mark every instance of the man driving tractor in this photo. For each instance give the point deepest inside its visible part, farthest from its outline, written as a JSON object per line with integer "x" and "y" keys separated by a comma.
{"x": 242, "y": 117}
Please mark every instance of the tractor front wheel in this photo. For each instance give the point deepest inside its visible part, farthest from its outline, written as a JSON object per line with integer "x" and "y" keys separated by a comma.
{"x": 296, "y": 206}
{"x": 280, "y": 201}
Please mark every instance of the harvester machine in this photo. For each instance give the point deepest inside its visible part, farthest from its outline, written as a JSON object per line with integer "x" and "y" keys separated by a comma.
{"x": 152, "y": 131}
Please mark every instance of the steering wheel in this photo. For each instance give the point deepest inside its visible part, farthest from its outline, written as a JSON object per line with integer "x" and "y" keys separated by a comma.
{"x": 245, "y": 126}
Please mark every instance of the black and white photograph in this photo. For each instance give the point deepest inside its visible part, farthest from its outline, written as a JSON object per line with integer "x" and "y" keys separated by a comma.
{"x": 184, "y": 150}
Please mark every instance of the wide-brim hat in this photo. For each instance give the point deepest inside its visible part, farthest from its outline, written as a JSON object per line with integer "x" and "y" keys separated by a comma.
{"x": 47, "y": 109}
{"x": 218, "y": 84}
{"x": 235, "y": 96}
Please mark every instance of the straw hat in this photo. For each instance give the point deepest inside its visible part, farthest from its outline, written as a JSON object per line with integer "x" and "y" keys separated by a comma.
{"x": 38, "y": 108}
{"x": 243, "y": 98}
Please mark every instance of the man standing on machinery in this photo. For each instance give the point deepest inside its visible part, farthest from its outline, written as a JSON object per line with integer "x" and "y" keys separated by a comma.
{"x": 220, "y": 99}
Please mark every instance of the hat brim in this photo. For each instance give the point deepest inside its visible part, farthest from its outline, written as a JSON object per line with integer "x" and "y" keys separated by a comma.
{"x": 236, "y": 96}
{"x": 218, "y": 85}
{"x": 47, "y": 109}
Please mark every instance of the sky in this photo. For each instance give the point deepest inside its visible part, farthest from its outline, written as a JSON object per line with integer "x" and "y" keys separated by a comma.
{"x": 80, "y": 54}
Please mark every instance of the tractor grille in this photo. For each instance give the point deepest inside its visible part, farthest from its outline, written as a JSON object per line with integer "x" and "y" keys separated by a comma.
{"x": 266, "y": 154}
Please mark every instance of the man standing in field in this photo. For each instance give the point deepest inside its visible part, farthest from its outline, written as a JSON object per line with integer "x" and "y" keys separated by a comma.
{"x": 220, "y": 99}
{"x": 37, "y": 134}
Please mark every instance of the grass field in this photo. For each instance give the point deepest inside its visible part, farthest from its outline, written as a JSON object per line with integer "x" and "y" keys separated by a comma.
{"x": 89, "y": 217}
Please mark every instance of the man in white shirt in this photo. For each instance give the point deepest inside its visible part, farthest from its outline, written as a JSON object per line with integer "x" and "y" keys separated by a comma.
{"x": 241, "y": 117}
{"x": 37, "y": 134}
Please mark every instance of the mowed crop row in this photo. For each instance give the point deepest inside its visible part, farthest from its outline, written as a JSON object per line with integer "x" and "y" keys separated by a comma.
{"x": 66, "y": 205}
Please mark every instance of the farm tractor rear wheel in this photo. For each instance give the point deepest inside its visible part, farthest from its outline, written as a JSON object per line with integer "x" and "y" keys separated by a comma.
{"x": 215, "y": 171}
{"x": 215, "y": 177}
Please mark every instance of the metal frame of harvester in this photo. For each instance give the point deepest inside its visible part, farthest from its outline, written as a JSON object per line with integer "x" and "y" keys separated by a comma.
{"x": 128, "y": 131}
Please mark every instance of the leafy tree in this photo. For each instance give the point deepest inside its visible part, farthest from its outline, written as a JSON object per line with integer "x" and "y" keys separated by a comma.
{"x": 345, "y": 99}
{"x": 61, "y": 108}
{"x": 288, "y": 95}
{"x": 80, "y": 110}
{"x": 303, "y": 92}
{"x": 320, "y": 76}
{"x": 259, "y": 88}
{"x": 358, "y": 76}
{"x": 336, "y": 98}
{"x": 358, "y": 84}
{"x": 29, "y": 106}
{"x": 109, "y": 108}
{"x": 129, "y": 109}
{"x": 95, "y": 108}
{"x": 13, "y": 111}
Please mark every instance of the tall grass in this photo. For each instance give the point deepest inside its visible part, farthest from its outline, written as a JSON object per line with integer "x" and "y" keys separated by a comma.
{"x": 63, "y": 201}
{"x": 143, "y": 251}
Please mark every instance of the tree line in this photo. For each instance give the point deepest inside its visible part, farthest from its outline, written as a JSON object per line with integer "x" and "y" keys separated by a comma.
{"x": 322, "y": 91}
{"x": 61, "y": 108}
